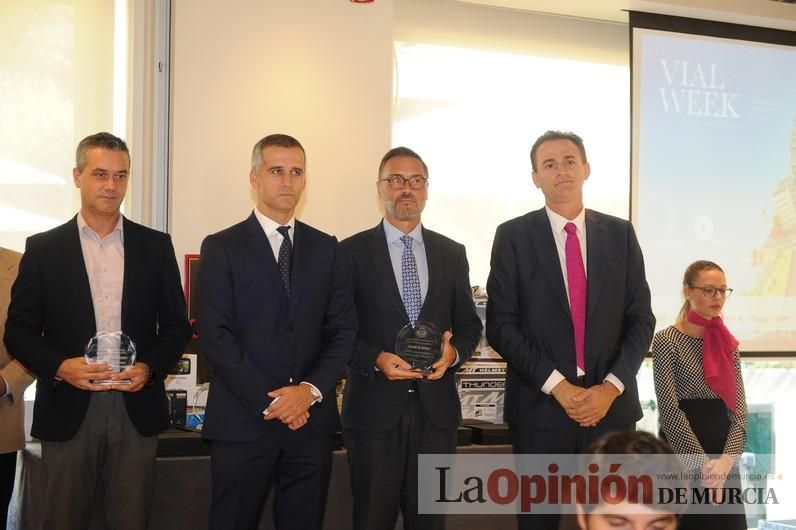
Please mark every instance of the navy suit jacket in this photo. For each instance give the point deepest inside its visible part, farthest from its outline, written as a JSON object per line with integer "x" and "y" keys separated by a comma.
{"x": 371, "y": 401}
{"x": 529, "y": 322}
{"x": 51, "y": 318}
{"x": 257, "y": 340}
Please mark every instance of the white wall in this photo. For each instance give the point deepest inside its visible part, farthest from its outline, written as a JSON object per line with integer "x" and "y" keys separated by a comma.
{"x": 453, "y": 23}
{"x": 316, "y": 69}
{"x": 321, "y": 70}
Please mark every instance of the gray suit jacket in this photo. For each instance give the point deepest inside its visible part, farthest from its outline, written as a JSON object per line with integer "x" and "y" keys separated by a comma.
{"x": 12, "y": 407}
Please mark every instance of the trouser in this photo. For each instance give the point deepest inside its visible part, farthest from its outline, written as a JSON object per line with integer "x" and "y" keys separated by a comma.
{"x": 571, "y": 439}
{"x": 108, "y": 449}
{"x": 383, "y": 467}
{"x": 298, "y": 463}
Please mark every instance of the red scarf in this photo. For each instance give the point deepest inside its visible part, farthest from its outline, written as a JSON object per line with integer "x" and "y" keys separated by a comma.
{"x": 717, "y": 359}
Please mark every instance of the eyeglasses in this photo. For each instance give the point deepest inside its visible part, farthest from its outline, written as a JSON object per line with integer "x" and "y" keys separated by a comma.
{"x": 397, "y": 182}
{"x": 710, "y": 292}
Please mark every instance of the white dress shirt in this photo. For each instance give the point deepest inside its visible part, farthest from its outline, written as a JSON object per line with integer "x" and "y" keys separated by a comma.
{"x": 274, "y": 237}
{"x": 104, "y": 260}
{"x": 557, "y": 224}
{"x": 275, "y": 240}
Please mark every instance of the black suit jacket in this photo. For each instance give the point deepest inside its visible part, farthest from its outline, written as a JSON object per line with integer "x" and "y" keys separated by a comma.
{"x": 256, "y": 340}
{"x": 529, "y": 322}
{"x": 372, "y": 402}
{"x": 51, "y": 318}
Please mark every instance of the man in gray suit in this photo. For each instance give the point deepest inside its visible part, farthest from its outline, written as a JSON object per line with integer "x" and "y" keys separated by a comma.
{"x": 14, "y": 379}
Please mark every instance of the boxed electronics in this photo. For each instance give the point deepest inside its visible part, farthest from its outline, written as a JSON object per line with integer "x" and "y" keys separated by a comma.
{"x": 178, "y": 407}
{"x": 183, "y": 377}
{"x": 182, "y": 389}
{"x": 481, "y": 387}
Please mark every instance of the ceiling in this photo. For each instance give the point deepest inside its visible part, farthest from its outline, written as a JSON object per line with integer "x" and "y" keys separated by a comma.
{"x": 765, "y": 13}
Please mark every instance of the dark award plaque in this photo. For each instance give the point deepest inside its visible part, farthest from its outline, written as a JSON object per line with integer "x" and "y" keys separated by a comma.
{"x": 419, "y": 345}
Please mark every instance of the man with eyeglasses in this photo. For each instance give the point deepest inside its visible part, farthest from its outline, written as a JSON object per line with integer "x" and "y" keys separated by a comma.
{"x": 403, "y": 274}
{"x": 569, "y": 310}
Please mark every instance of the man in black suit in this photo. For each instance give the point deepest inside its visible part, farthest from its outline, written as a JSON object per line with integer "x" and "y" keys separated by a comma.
{"x": 569, "y": 310}
{"x": 403, "y": 273}
{"x": 277, "y": 325}
{"x": 98, "y": 272}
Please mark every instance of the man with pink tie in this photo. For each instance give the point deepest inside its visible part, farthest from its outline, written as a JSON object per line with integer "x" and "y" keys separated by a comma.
{"x": 569, "y": 310}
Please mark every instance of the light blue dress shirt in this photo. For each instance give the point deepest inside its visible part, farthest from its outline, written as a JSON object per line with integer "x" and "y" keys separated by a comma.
{"x": 396, "y": 248}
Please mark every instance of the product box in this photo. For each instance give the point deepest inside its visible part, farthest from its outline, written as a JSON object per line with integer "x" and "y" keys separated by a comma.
{"x": 177, "y": 407}
{"x": 481, "y": 386}
{"x": 183, "y": 377}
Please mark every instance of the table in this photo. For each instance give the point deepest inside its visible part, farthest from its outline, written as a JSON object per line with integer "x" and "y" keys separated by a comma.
{"x": 182, "y": 490}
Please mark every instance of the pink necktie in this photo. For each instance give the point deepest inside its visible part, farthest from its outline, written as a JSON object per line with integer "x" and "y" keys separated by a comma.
{"x": 576, "y": 279}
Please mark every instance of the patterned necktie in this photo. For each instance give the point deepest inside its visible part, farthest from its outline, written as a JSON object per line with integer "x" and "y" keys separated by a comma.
{"x": 410, "y": 280}
{"x": 576, "y": 280}
{"x": 285, "y": 257}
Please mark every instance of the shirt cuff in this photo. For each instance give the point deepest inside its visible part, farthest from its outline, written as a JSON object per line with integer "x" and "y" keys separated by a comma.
{"x": 9, "y": 393}
{"x": 315, "y": 392}
{"x": 266, "y": 412}
{"x": 555, "y": 378}
{"x": 611, "y": 378}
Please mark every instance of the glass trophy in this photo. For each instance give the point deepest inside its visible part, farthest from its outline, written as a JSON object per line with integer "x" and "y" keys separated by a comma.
{"x": 419, "y": 345}
{"x": 113, "y": 348}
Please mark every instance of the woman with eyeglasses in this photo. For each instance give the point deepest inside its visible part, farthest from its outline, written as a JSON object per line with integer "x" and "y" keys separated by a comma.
{"x": 701, "y": 401}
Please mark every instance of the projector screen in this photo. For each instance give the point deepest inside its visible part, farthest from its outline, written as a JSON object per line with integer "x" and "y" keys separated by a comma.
{"x": 714, "y": 170}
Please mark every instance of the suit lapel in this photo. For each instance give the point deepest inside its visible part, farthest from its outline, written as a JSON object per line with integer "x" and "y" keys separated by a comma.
{"x": 302, "y": 254}
{"x": 380, "y": 257}
{"x": 435, "y": 262}
{"x": 595, "y": 256}
{"x": 76, "y": 268}
{"x": 261, "y": 248}
{"x": 541, "y": 234}
{"x": 132, "y": 266}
